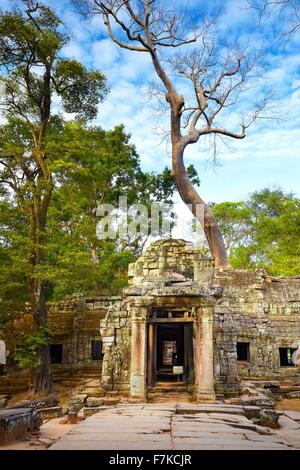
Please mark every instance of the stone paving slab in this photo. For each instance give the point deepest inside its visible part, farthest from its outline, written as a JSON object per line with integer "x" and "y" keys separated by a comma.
{"x": 155, "y": 427}
{"x": 230, "y": 409}
{"x": 295, "y": 415}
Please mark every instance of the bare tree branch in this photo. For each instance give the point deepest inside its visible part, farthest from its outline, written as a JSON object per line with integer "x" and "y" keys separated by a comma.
{"x": 217, "y": 75}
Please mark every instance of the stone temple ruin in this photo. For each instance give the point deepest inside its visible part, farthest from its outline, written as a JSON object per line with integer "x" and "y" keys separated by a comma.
{"x": 181, "y": 317}
{"x": 182, "y": 322}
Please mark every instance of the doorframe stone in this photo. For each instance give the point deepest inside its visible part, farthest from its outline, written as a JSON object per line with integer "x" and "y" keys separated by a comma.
{"x": 202, "y": 348}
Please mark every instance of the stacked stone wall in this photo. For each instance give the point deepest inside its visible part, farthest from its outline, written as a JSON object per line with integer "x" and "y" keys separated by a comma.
{"x": 262, "y": 311}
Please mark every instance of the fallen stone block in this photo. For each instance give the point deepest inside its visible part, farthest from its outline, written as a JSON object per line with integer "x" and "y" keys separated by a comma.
{"x": 94, "y": 392}
{"x": 49, "y": 413}
{"x": 77, "y": 402}
{"x": 16, "y": 423}
{"x": 265, "y": 384}
{"x": 252, "y": 412}
{"x": 36, "y": 404}
{"x": 233, "y": 401}
{"x": 269, "y": 418}
{"x": 94, "y": 401}
{"x": 65, "y": 409}
{"x": 262, "y": 402}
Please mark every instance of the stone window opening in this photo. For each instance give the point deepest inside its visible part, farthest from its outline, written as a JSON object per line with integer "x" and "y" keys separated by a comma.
{"x": 56, "y": 353}
{"x": 243, "y": 351}
{"x": 96, "y": 350}
{"x": 286, "y": 357}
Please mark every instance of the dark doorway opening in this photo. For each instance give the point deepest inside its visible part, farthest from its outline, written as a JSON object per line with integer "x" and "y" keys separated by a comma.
{"x": 56, "y": 353}
{"x": 96, "y": 350}
{"x": 170, "y": 352}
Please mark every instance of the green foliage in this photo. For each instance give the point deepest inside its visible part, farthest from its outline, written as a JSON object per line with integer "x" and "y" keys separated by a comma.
{"x": 96, "y": 166}
{"x": 88, "y": 166}
{"x": 27, "y": 354}
{"x": 79, "y": 89}
{"x": 33, "y": 70}
{"x": 263, "y": 231}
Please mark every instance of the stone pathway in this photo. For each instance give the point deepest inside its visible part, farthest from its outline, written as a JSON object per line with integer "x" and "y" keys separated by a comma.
{"x": 171, "y": 427}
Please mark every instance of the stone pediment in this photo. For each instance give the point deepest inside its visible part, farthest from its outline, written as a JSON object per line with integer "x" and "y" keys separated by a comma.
{"x": 170, "y": 261}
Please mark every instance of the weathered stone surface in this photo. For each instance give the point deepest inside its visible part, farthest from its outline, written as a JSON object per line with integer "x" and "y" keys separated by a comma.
{"x": 77, "y": 402}
{"x": 89, "y": 411}
{"x": 289, "y": 424}
{"x": 94, "y": 401}
{"x": 268, "y": 418}
{"x": 47, "y": 442}
{"x": 252, "y": 412}
{"x": 36, "y": 404}
{"x": 49, "y": 413}
{"x": 187, "y": 409}
{"x": 16, "y": 423}
{"x": 142, "y": 427}
{"x": 292, "y": 414}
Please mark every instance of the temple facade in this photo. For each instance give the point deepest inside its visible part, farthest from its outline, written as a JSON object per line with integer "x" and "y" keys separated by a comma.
{"x": 182, "y": 321}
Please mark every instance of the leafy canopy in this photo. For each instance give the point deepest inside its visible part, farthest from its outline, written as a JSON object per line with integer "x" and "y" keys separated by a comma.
{"x": 263, "y": 231}
{"x": 33, "y": 70}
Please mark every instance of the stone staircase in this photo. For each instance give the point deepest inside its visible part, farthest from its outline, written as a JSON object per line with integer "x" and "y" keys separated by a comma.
{"x": 169, "y": 392}
{"x": 19, "y": 383}
{"x": 14, "y": 384}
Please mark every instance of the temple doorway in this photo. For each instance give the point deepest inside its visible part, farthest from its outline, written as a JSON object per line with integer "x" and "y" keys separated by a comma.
{"x": 170, "y": 352}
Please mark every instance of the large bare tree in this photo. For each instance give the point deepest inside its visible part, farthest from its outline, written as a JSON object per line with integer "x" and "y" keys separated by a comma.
{"x": 216, "y": 74}
{"x": 286, "y": 11}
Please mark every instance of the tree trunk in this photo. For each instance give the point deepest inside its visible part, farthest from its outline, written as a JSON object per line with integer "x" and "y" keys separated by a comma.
{"x": 94, "y": 253}
{"x": 188, "y": 193}
{"x": 43, "y": 382}
{"x": 209, "y": 224}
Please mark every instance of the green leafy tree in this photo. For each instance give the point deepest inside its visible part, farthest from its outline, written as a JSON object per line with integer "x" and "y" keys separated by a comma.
{"x": 92, "y": 166}
{"x": 32, "y": 73}
{"x": 27, "y": 355}
{"x": 234, "y": 219}
{"x": 265, "y": 232}
{"x": 97, "y": 167}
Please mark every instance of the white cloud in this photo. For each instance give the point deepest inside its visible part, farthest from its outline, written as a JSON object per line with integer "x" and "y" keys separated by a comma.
{"x": 268, "y": 143}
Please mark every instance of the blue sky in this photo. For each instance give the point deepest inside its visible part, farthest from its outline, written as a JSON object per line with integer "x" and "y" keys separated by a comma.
{"x": 268, "y": 156}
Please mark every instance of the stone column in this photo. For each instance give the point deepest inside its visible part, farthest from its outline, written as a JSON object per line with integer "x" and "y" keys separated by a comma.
{"x": 203, "y": 351}
{"x": 138, "y": 354}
